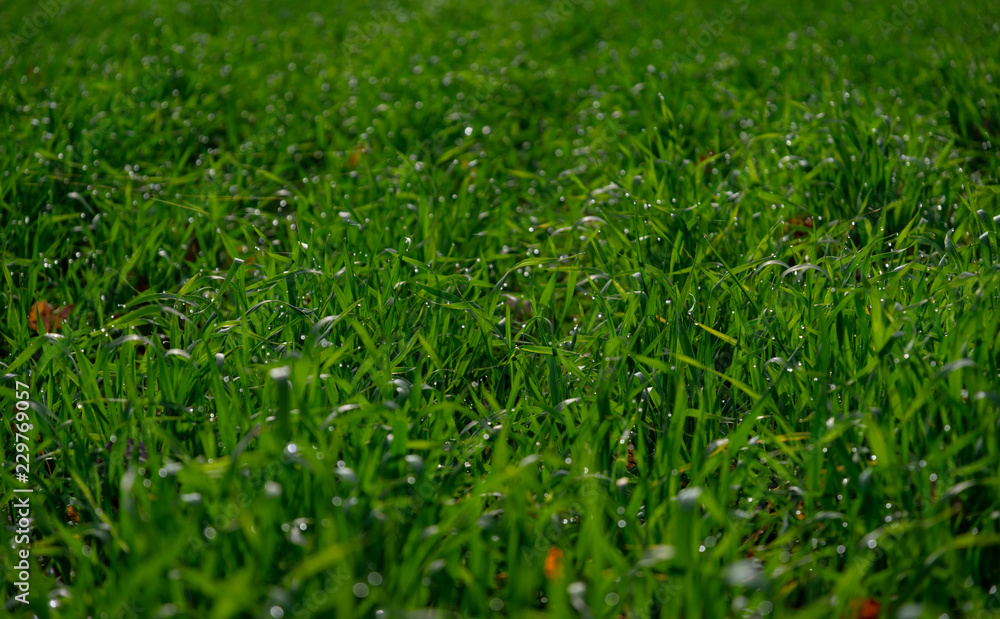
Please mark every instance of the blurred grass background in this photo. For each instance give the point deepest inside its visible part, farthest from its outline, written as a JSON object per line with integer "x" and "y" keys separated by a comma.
{"x": 591, "y": 308}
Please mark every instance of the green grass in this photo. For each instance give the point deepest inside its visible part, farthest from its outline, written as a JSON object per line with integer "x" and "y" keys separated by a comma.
{"x": 375, "y": 305}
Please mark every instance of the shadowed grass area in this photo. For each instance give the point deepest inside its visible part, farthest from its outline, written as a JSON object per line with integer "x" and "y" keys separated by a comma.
{"x": 593, "y": 308}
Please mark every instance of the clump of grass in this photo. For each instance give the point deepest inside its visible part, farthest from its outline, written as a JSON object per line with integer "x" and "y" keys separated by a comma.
{"x": 593, "y": 308}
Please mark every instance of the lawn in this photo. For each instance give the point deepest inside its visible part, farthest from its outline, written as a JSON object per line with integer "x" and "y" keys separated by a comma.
{"x": 588, "y": 308}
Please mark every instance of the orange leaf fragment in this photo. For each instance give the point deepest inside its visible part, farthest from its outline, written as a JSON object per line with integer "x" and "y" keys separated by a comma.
{"x": 865, "y": 609}
{"x": 554, "y": 564}
{"x": 355, "y": 157}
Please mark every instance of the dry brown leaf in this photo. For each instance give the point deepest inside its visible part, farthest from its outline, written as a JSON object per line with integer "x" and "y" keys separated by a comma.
{"x": 49, "y": 317}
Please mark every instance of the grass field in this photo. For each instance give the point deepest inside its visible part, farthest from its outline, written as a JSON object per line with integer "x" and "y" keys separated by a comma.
{"x": 590, "y": 308}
